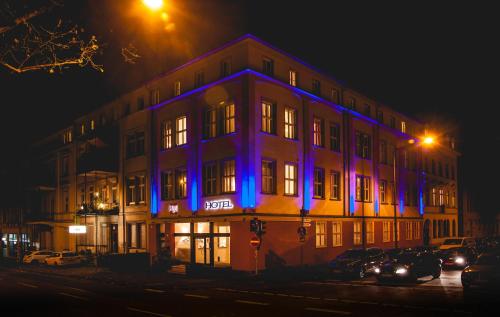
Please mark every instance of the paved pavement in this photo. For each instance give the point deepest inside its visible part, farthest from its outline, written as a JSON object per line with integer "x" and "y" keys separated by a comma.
{"x": 30, "y": 291}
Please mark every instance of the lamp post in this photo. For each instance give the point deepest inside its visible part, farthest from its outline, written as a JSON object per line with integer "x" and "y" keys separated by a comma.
{"x": 426, "y": 141}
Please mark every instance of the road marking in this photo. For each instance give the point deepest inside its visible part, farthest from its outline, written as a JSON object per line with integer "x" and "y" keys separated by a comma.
{"x": 27, "y": 285}
{"x": 267, "y": 293}
{"x": 74, "y": 296}
{"x": 315, "y": 298}
{"x": 154, "y": 290}
{"x": 77, "y": 289}
{"x": 296, "y": 296}
{"x": 147, "y": 312}
{"x": 197, "y": 296}
{"x": 284, "y": 295}
{"x": 332, "y": 299}
{"x": 368, "y": 303}
{"x": 251, "y": 302}
{"x": 323, "y": 310}
{"x": 350, "y": 301}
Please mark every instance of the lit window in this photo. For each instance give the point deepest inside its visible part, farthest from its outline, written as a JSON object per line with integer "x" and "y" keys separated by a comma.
{"x": 229, "y": 119}
{"x": 363, "y": 188}
{"x": 320, "y": 234}
{"x": 383, "y": 191}
{"x": 268, "y": 177}
{"x": 290, "y": 123}
{"x": 433, "y": 197}
{"x": 337, "y": 233}
{"x": 166, "y": 135}
{"x": 409, "y": 230}
{"x": 386, "y": 231}
{"x": 319, "y": 183}
{"x": 290, "y": 179}
{"x": 92, "y": 125}
{"x": 335, "y": 185}
{"x": 82, "y": 129}
{"x": 370, "y": 233}
{"x": 357, "y": 233}
{"x": 293, "y": 78}
{"x": 268, "y": 117}
{"x": 131, "y": 192}
{"x": 318, "y": 132}
{"x": 441, "y": 197}
{"x": 142, "y": 189}
{"x": 177, "y": 88}
{"x": 229, "y": 176}
{"x": 403, "y": 126}
{"x": 154, "y": 98}
{"x": 181, "y": 183}
{"x": 181, "y": 131}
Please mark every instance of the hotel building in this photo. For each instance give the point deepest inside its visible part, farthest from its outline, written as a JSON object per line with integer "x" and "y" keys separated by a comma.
{"x": 245, "y": 131}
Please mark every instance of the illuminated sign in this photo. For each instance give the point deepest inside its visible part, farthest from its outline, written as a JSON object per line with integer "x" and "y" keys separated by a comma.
{"x": 77, "y": 229}
{"x": 218, "y": 204}
{"x": 173, "y": 209}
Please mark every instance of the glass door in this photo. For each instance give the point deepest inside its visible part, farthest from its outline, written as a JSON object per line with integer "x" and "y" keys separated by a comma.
{"x": 202, "y": 246}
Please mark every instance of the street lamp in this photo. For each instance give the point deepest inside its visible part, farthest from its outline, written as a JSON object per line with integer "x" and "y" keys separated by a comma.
{"x": 426, "y": 141}
{"x": 153, "y": 4}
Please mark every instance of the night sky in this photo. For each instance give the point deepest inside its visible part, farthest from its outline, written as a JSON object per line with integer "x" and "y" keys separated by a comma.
{"x": 432, "y": 61}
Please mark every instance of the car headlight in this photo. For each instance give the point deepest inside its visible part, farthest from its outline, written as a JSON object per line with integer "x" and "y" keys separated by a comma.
{"x": 459, "y": 260}
{"x": 376, "y": 270}
{"x": 401, "y": 271}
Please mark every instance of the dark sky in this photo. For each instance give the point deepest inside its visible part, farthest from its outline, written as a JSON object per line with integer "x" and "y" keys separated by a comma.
{"x": 434, "y": 61}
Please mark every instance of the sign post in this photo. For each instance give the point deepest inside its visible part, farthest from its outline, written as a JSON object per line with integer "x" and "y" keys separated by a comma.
{"x": 255, "y": 242}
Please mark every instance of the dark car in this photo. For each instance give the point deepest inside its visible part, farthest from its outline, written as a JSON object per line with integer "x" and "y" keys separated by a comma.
{"x": 457, "y": 257}
{"x": 357, "y": 262}
{"x": 409, "y": 265}
{"x": 484, "y": 274}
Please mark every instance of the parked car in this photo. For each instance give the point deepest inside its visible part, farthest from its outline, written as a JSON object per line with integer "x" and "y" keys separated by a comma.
{"x": 36, "y": 257}
{"x": 357, "y": 262}
{"x": 409, "y": 265}
{"x": 458, "y": 257}
{"x": 63, "y": 258}
{"x": 457, "y": 243}
{"x": 483, "y": 275}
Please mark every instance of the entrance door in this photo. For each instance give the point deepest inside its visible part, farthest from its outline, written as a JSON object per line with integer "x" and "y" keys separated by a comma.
{"x": 202, "y": 246}
{"x": 113, "y": 239}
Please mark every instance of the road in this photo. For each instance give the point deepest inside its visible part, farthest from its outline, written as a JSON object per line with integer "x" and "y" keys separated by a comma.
{"x": 28, "y": 293}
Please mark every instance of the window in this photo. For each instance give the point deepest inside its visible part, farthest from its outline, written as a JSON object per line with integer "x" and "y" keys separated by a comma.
{"x": 181, "y": 130}
{"x": 452, "y": 199}
{"x": 334, "y": 137}
{"x": 210, "y": 124}
{"x": 398, "y": 231}
{"x": 66, "y": 200}
{"x": 209, "y": 179}
{"x": 82, "y": 129}
{"x": 357, "y": 233}
{"x": 334, "y": 95}
{"x": 453, "y": 172}
{"x": 92, "y": 125}
{"x": 181, "y": 183}
{"x": 67, "y": 137}
{"x": 447, "y": 198}
{"x": 363, "y": 145}
{"x": 383, "y": 191}
{"x": 167, "y": 185}
{"x": 318, "y": 131}
{"x": 154, "y": 98}
{"x": 367, "y": 110}
{"x": 199, "y": 79}
{"x": 126, "y": 109}
{"x": 166, "y": 135}
{"x": 447, "y": 170}
{"x": 290, "y": 123}
{"x": 409, "y": 230}
{"x": 65, "y": 166}
{"x": 417, "y": 230}
{"x": 440, "y": 169}
{"x": 292, "y": 78}
{"x": 268, "y": 177}
{"x": 386, "y": 231}
{"x": 290, "y": 179}
{"x": 177, "y": 88}
{"x": 403, "y": 126}
{"x": 352, "y": 103}
{"x": 268, "y": 66}
{"x": 383, "y": 152}
{"x": 316, "y": 87}
{"x": 136, "y": 190}
{"x": 225, "y": 67}
{"x": 335, "y": 185}
{"x": 407, "y": 196}
{"x": 268, "y": 117}
{"x": 140, "y": 103}
{"x": 392, "y": 122}
{"x": 135, "y": 144}
{"x": 337, "y": 233}
{"x": 380, "y": 116}
{"x": 433, "y": 197}
{"x": 229, "y": 176}
{"x": 370, "y": 232}
{"x": 406, "y": 162}
{"x": 363, "y": 188}
{"x": 441, "y": 197}
{"x": 319, "y": 183}
{"x": 320, "y": 234}
{"x": 229, "y": 119}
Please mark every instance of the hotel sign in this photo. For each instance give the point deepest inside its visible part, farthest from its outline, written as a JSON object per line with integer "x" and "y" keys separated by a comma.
{"x": 77, "y": 229}
{"x": 218, "y": 204}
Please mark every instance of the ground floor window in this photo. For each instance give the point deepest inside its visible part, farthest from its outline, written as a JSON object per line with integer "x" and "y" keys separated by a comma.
{"x": 386, "y": 231}
{"x": 370, "y": 232}
{"x": 417, "y": 233}
{"x": 409, "y": 230}
{"x": 357, "y": 233}
{"x": 337, "y": 233}
{"x": 320, "y": 234}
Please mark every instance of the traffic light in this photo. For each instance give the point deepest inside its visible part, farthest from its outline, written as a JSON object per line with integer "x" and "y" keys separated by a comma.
{"x": 262, "y": 227}
{"x": 254, "y": 225}
{"x": 302, "y": 233}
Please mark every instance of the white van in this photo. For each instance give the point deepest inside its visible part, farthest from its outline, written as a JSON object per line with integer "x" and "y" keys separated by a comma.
{"x": 458, "y": 243}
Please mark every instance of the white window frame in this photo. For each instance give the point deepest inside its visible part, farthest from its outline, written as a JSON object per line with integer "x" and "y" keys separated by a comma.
{"x": 321, "y": 234}
{"x": 337, "y": 233}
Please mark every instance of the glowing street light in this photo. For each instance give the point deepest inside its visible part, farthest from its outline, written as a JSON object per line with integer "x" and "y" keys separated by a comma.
{"x": 153, "y": 4}
{"x": 428, "y": 140}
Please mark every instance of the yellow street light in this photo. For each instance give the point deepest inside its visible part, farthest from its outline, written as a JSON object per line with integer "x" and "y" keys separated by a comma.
{"x": 153, "y": 4}
{"x": 428, "y": 140}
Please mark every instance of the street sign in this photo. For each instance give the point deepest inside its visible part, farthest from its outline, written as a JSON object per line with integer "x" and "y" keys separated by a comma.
{"x": 77, "y": 229}
{"x": 254, "y": 241}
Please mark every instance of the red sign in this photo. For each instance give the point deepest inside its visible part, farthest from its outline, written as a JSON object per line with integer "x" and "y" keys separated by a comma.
{"x": 254, "y": 241}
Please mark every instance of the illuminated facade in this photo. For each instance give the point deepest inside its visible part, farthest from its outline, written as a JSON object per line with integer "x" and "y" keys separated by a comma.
{"x": 247, "y": 131}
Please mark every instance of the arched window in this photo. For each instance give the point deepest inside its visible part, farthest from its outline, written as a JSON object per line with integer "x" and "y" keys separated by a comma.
{"x": 454, "y": 228}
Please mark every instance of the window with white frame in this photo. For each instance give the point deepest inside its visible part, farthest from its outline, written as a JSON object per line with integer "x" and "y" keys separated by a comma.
{"x": 335, "y": 137}
{"x": 268, "y": 117}
{"x": 383, "y": 191}
{"x": 268, "y": 177}
{"x": 290, "y": 179}
{"x": 320, "y": 234}
{"x": 229, "y": 119}
{"x": 166, "y": 135}
{"x": 386, "y": 231}
{"x": 403, "y": 126}
{"x": 417, "y": 234}
{"x": 335, "y": 185}
{"x": 292, "y": 78}
{"x": 318, "y": 132}
{"x": 370, "y": 232}
{"x": 210, "y": 124}
{"x": 290, "y": 123}
{"x": 357, "y": 233}
{"x": 363, "y": 190}
{"x": 337, "y": 233}
{"x": 154, "y": 98}
{"x": 229, "y": 176}
{"x": 319, "y": 183}
{"x": 409, "y": 230}
{"x": 181, "y": 130}
{"x": 177, "y": 88}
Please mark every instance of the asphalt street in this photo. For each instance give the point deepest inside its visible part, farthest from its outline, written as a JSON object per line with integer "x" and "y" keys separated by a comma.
{"x": 24, "y": 292}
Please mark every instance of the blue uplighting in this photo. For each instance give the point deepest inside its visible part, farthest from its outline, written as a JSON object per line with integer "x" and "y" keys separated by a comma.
{"x": 194, "y": 195}
{"x": 401, "y": 206}
{"x": 154, "y": 197}
{"x": 351, "y": 205}
{"x": 376, "y": 207}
